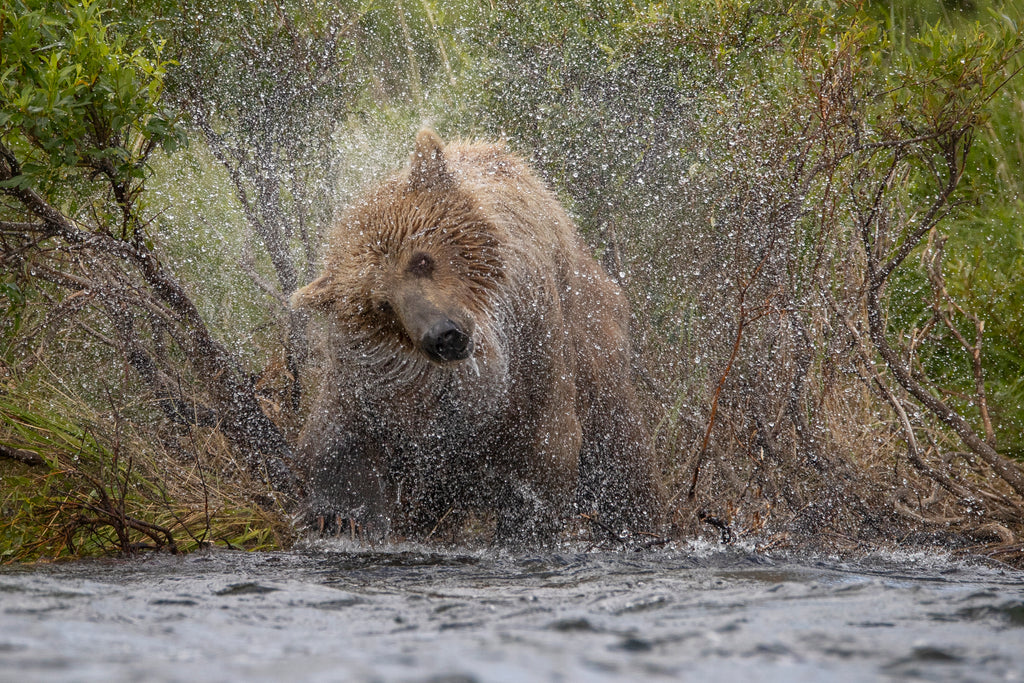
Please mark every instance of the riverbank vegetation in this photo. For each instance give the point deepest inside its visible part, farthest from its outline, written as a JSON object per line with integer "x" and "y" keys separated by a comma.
{"x": 814, "y": 207}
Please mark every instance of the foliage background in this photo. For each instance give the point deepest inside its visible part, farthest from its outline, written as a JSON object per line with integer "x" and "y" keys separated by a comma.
{"x": 716, "y": 155}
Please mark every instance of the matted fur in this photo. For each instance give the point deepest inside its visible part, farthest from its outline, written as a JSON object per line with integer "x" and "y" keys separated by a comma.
{"x": 538, "y": 423}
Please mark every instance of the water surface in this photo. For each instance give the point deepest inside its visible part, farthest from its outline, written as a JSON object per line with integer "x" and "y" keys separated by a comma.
{"x": 335, "y": 612}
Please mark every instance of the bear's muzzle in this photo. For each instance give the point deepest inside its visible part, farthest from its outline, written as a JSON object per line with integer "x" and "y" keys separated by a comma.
{"x": 446, "y": 342}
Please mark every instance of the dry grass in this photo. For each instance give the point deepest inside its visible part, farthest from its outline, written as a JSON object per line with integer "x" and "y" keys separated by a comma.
{"x": 108, "y": 485}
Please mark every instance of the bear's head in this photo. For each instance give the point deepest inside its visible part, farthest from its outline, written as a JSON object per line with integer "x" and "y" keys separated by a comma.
{"x": 413, "y": 269}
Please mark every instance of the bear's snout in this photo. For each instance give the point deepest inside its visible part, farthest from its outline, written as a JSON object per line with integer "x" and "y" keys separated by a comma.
{"x": 446, "y": 341}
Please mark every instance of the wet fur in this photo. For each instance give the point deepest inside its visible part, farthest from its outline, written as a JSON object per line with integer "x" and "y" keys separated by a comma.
{"x": 539, "y": 424}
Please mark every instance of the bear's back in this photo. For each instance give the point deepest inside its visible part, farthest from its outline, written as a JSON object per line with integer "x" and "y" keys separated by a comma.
{"x": 512, "y": 196}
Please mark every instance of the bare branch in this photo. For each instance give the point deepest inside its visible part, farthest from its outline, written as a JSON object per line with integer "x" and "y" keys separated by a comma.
{"x": 21, "y": 455}
{"x": 243, "y": 422}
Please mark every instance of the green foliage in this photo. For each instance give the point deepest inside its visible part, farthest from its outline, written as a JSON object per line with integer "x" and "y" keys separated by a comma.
{"x": 986, "y": 255}
{"x": 234, "y": 56}
{"x": 625, "y": 108}
{"x": 964, "y": 61}
{"x": 74, "y": 97}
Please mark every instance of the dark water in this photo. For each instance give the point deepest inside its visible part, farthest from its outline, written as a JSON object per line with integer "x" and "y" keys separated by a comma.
{"x": 333, "y": 613}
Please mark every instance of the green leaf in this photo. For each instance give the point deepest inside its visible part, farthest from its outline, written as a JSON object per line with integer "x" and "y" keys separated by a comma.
{"x": 17, "y": 182}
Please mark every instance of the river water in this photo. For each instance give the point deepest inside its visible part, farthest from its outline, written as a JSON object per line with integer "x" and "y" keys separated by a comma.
{"x": 334, "y": 612}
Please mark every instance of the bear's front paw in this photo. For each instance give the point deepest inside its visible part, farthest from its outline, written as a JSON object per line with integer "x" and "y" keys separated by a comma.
{"x": 355, "y": 524}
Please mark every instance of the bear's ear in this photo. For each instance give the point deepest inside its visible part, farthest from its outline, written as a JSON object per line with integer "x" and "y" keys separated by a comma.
{"x": 429, "y": 168}
{"x": 318, "y": 295}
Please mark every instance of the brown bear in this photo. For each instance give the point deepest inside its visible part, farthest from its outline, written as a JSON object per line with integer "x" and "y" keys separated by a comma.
{"x": 478, "y": 360}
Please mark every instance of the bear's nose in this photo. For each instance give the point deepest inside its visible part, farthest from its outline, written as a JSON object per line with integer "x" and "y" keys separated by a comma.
{"x": 447, "y": 342}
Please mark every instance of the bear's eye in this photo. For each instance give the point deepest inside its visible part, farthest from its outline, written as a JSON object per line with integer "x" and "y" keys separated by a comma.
{"x": 383, "y": 307}
{"x": 420, "y": 265}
